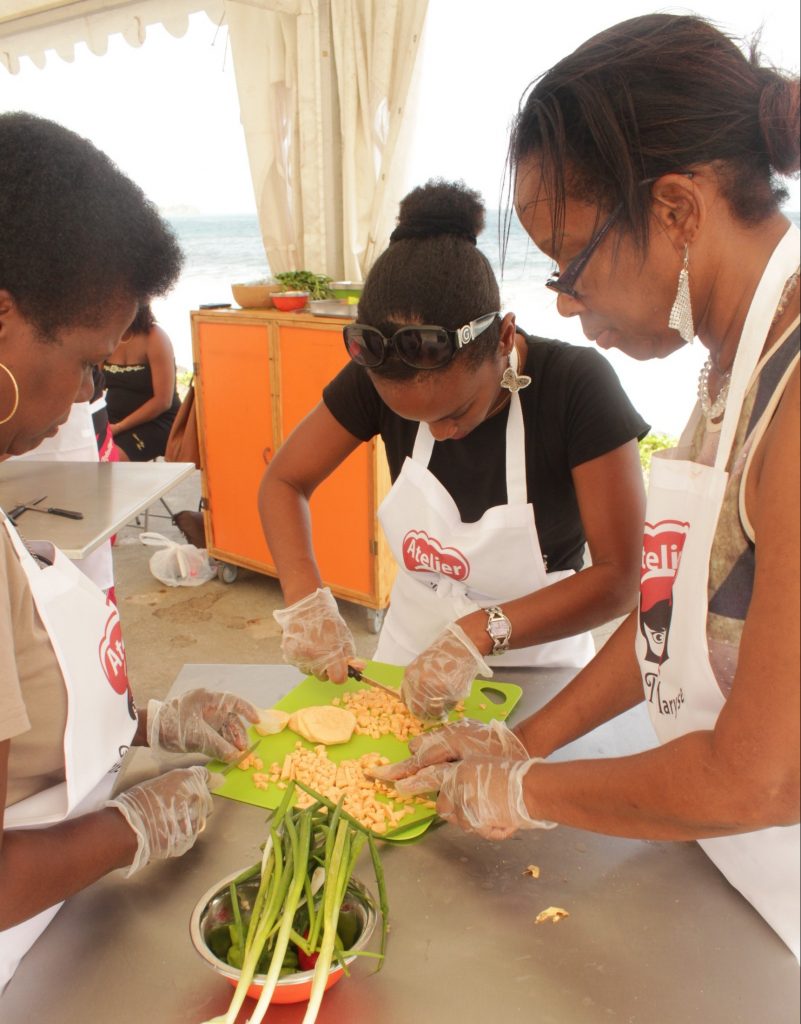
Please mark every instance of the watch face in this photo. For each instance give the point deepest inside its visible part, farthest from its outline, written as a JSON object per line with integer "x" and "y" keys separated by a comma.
{"x": 499, "y": 629}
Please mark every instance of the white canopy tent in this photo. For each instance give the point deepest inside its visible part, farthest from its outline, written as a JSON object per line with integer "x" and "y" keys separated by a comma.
{"x": 324, "y": 89}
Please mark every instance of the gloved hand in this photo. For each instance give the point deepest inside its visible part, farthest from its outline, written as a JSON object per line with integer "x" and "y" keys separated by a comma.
{"x": 482, "y": 795}
{"x": 166, "y": 813}
{"x": 441, "y": 675}
{"x": 455, "y": 742}
{"x": 315, "y": 637}
{"x": 200, "y": 721}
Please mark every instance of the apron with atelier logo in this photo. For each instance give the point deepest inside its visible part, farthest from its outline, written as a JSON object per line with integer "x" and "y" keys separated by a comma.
{"x": 75, "y": 442}
{"x": 448, "y": 568}
{"x": 84, "y": 630}
{"x": 681, "y": 691}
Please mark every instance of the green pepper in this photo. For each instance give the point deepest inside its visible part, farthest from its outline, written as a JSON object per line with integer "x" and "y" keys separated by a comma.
{"x": 348, "y": 928}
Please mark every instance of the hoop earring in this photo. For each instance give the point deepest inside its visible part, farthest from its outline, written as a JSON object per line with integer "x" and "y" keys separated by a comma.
{"x": 13, "y": 380}
{"x": 681, "y": 313}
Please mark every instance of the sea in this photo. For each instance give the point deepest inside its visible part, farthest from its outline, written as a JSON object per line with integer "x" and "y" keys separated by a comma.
{"x": 221, "y": 250}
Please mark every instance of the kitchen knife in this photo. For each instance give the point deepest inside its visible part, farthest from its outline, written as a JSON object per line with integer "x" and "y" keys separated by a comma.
{"x": 242, "y": 757}
{"x": 66, "y": 513}
{"x": 357, "y": 674}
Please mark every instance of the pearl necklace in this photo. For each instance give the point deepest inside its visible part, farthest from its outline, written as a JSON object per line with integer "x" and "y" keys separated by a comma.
{"x": 712, "y": 410}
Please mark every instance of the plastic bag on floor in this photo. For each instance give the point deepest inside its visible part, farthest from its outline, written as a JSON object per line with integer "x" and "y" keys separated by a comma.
{"x": 178, "y": 565}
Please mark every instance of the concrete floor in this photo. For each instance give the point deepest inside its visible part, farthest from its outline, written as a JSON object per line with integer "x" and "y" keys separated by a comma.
{"x": 216, "y": 623}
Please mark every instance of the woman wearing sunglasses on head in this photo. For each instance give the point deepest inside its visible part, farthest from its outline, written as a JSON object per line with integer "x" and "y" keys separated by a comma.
{"x": 646, "y": 163}
{"x": 506, "y": 452}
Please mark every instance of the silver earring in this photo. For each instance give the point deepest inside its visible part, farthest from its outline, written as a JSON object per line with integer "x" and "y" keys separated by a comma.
{"x": 681, "y": 313}
{"x": 513, "y": 381}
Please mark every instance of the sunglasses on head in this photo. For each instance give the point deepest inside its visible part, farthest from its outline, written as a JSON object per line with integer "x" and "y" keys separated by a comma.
{"x": 422, "y": 346}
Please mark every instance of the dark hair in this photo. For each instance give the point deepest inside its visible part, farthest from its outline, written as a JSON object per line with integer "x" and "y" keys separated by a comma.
{"x": 656, "y": 94}
{"x": 142, "y": 323}
{"x": 76, "y": 235}
{"x": 433, "y": 273}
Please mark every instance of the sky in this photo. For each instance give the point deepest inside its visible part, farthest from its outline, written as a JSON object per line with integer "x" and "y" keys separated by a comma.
{"x": 167, "y": 112}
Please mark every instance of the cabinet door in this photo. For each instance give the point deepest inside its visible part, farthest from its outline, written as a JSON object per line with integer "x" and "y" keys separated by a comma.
{"x": 343, "y": 506}
{"x": 234, "y": 399}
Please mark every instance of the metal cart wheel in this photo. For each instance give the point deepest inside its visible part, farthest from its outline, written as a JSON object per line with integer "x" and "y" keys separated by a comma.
{"x": 227, "y": 573}
{"x": 375, "y": 619}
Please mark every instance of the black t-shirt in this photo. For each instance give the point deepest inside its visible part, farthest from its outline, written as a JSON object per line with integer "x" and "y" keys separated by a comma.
{"x": 574, "y": 410}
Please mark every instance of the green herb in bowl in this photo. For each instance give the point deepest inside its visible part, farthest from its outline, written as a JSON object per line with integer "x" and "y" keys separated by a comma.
{"x": 317, "y": 285}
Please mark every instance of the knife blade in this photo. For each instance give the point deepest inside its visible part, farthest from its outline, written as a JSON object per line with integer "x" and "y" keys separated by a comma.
{"x": 357, "y": 674}
{"x": 242, "y": 757}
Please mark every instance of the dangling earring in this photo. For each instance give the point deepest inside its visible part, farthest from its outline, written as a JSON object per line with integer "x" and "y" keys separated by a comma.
{"x": 13, "y": 380}
{"x": 681, "y": 313}
{"x": 511, "y": 379}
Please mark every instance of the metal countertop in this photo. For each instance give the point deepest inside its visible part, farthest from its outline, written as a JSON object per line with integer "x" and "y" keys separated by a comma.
{"x": 656, "y": 935}
{"x": 110, "y": 494}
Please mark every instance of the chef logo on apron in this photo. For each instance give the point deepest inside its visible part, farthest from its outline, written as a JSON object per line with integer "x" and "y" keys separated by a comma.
{"x": 663, "y": 544}
{"x": 422, "y": 553}
{"x": 112, "y": 657}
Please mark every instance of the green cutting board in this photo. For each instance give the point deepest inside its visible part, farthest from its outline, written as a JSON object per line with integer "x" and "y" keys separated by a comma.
{"x": 488, "y": 699}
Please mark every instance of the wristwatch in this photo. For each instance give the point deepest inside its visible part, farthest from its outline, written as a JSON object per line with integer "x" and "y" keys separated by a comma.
{"x": 499, "y": 629}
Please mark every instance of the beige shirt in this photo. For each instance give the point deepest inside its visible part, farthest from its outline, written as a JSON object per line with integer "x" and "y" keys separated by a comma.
{"x": 33, "y": 697}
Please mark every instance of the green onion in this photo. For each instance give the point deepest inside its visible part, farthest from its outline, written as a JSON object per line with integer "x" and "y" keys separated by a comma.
{"x": 307, "y": 862}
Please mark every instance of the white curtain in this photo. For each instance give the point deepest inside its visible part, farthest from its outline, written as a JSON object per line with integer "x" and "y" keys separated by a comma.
{"x": 323, "y": 86}
{"x": 375, "y": 45}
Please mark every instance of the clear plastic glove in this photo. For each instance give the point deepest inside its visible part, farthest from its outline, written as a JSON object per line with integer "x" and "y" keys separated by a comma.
{"x": 315, "y": 637}
{"x": 482, "y": 795}
{"x": 200, "y": 721}
{"x": 439, "y": 677}
{"x": 455, "y": 742}
{"x": 167, "y": 813}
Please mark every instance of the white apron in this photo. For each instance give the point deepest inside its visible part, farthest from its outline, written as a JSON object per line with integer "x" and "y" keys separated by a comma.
{"x": 84, "y": 630}
{"x": 447, "y": 568}
{"x": 682, "y": 694}
{"x": 76, "y": 442}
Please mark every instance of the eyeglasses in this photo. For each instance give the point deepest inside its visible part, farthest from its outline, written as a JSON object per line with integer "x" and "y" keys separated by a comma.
{"x": 422, "y": 346}
{"x": 565, "y": 284}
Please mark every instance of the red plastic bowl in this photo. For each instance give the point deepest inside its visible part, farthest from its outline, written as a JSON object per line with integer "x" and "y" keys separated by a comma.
{"x": 287, "y": 301}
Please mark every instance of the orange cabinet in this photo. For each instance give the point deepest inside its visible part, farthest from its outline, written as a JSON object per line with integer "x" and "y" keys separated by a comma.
{"x": 257, "y": 374}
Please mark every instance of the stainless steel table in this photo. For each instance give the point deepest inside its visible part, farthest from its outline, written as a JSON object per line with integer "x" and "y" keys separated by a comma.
{"x": 110, "y": 494}
{"x": 655, "y": 933}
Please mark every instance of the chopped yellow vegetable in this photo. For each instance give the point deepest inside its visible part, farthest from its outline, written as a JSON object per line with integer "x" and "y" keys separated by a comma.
{"x": 554, "y": 914}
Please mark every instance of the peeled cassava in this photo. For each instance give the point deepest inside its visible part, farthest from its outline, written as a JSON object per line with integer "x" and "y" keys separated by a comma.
{"x": 326, "y": 724}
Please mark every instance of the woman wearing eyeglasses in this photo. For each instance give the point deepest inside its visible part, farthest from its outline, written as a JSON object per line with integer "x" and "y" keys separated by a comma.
{"x": 506, "y": 453}
{"x": 646, "y": 163}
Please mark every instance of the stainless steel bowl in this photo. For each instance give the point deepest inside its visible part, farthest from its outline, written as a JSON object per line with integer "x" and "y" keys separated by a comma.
{"x": 213, "y": 910}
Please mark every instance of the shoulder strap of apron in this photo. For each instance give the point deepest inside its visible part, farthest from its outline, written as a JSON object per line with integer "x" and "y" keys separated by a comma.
{"x": 781, "y": 264}
{"x": 516, "y": 486}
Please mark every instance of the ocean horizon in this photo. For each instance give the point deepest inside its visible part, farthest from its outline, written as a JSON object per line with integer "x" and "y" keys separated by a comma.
{"x": 222, "y": 249}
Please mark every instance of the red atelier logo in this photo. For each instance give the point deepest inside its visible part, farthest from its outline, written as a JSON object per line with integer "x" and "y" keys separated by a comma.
{"x": 422, "y": 553}
{"x": 112, "y": 654}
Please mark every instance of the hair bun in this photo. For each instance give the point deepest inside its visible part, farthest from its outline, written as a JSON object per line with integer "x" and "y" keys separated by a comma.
{"x": 779, "y": 120}
{"x": 440, "y": 208}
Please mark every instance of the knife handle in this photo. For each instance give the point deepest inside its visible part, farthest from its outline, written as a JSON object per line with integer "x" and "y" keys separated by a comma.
{"x": 65, "y": 512}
